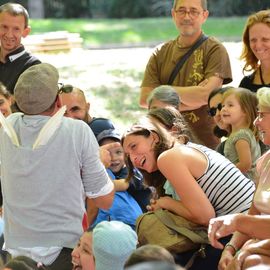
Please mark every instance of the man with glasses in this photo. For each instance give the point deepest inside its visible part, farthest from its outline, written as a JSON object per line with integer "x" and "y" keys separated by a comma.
{"x": 77, "y": 107}
{"x": 207, "y": 68}
{"x": 75, "y": 101}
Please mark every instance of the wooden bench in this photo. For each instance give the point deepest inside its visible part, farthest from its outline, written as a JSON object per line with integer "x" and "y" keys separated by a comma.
{"x": 53, "y": 41}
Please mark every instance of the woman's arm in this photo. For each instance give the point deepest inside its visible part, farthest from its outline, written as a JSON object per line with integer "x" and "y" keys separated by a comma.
{"x": 180, "y": 165}
{"x": 254, "y": 255}
{"x": 225, "y": 225}
{"x": 218, "y": 229}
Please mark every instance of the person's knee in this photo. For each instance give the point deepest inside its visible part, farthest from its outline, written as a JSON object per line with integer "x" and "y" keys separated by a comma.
{"x": 255, "y": 260}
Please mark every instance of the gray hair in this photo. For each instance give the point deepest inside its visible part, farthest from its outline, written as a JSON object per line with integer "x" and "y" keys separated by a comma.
{"x": 166, "y": 94}
{"x": 203, "y": 3}
{"x": 263, "y": 95}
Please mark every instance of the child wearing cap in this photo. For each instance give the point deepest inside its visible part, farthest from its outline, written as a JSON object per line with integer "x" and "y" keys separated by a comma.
{"x": 124, "y": 208}
{"x": 113, "y": 243}
{"x": 107, "y": 247}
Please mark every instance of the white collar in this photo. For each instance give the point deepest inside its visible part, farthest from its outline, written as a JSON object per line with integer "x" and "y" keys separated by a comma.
{"x": 15, "y": 56}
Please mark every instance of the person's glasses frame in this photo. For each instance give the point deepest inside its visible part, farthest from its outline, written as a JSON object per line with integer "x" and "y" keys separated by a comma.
{"x": 261, "y": 115}
{"x": 192, "y": 13}
{"x": 213, "y": 110}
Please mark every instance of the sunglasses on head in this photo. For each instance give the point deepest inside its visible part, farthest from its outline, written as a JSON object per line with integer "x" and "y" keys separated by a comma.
{"x": 213, "y": 110}
{"x": 65, "y": 88}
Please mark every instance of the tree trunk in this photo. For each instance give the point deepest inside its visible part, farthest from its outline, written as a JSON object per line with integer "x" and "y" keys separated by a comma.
{"x": 36, "y": 9}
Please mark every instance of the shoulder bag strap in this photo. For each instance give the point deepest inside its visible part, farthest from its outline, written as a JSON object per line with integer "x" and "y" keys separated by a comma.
{"x": 169, "y": 222}
{"x": 183, "y": 59}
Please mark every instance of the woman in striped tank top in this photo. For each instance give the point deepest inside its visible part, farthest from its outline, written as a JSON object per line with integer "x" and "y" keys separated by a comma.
{"x": 192, "y": 180}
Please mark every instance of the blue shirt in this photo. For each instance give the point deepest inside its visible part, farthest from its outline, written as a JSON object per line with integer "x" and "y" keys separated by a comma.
{"x": 124, "y": 208}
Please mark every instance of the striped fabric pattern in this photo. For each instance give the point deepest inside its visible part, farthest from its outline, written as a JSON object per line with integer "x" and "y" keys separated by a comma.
{"x": 228, "y": 190}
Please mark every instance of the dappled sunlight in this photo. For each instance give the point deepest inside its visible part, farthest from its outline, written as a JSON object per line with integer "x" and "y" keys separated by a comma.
{"x": 111, "y": 78}
{"x": 105, "y": 27}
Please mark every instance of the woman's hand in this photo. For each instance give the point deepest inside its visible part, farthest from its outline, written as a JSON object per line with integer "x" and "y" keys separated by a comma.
{"x": 220, "y": 227}
{"x": 252, "y": 247}
{"x": 156, "y": 204}
{"x": 225, "y": 259}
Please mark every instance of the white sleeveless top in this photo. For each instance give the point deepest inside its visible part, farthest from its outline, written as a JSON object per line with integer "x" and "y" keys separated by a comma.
{"x": 228, "y": 190}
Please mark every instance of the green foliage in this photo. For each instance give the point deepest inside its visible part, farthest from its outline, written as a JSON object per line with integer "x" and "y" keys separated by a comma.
{"x": 236, "y": 7}
{"x": 128, "y": 9}
{"x": 67, "y": 9}
{"x": 98, "y": 32}
{"x": 139, "y": 8}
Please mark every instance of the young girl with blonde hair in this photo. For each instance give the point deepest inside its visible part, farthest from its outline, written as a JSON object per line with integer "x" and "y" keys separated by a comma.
{"x": 242, "y": 147}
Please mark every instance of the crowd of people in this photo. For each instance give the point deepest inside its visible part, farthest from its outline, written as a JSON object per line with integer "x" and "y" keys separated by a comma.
{"x": 73, "y": 187}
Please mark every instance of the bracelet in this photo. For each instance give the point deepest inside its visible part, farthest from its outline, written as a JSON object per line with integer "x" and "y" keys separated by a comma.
{"x": 232, "y": 246}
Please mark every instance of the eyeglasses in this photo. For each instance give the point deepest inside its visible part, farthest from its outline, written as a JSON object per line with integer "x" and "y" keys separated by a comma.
{"x": 192, "y": 13}
{"x": 213, "y": 110}
{"x": 261, "y": 115}
{"x": 65, "y": 88}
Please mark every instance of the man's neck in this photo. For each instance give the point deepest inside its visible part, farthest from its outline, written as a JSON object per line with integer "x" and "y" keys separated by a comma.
{"x": 188, "y": 41}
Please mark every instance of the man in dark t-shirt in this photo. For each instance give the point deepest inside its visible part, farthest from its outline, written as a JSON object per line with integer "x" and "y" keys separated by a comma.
{"x": 14, "y": 59}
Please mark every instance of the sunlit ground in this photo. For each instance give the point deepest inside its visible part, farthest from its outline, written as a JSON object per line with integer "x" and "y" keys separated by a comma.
{"x": 111, "y": 78}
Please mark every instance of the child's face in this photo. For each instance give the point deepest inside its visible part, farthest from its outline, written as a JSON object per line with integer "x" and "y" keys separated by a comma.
{"x": 5, "y": 106}
{"x": 232, "y": 113}
{"x": 117, "y": 156}
{"x": 82, "y": 257}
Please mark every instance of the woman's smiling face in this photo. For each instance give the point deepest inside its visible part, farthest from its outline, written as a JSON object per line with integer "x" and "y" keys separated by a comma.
{"x": 140, "y": 150}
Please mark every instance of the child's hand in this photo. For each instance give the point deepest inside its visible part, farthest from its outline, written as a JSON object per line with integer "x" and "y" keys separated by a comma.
{"x": 105, "y": 155}
{"x": 121, "y": 185}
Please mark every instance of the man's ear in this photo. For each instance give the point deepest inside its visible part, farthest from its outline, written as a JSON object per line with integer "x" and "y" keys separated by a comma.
{"x": 205, "y": 15}
{"x": 58, "y": 102}
{"x": 26, "y": 31}
{"x": 173, "y": 13}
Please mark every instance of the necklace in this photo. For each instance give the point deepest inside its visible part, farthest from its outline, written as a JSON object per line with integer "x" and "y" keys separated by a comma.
{"x": 261, "y": 76}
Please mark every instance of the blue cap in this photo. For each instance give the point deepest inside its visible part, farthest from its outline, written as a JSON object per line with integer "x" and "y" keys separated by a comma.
{"x": 108, "y": 134}
{"x": 113, "y": 242}
{"x": 99, "y": 124}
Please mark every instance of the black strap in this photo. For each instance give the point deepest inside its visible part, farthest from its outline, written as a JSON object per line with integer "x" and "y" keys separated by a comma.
{"x": 185, "y": 57}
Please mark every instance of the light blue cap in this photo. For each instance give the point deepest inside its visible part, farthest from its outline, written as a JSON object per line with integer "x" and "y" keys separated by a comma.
{"x": 113, "y": 242}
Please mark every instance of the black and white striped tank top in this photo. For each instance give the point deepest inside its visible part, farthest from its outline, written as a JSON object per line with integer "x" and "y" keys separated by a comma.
{"x": 228, "y": 190}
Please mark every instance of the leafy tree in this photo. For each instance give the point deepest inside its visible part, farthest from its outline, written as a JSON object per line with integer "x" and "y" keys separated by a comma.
{"x": 129, "y": 9}
{"x": 236, "y": 7}
{"x": 67, "y": 8}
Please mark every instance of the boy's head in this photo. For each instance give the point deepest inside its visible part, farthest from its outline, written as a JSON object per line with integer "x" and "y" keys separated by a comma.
{"x": 117, "y": 154}
{"x": 13, "y": 26}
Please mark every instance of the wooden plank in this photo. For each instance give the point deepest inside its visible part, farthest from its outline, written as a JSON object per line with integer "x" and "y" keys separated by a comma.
{"x": 53, "y": 41}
